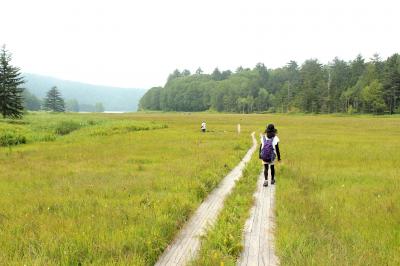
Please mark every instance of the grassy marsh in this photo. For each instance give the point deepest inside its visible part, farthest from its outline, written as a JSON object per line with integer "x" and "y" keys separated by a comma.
{"x": 120, "y": 198}
{"x": 337, "y": 193}
{"x": 110, "y": 199}
{"x": 223, "y": 242}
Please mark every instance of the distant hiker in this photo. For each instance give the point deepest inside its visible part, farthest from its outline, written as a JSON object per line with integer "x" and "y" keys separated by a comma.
{"x": 203, "y": 127}
{"x": 269, "y": 150}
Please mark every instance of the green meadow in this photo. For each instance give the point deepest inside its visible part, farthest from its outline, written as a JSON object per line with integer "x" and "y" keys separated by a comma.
{"x": 114, "y": 189}
{"x": 338, "y": 191}
{"x": 224, "y": 241}
{"x": 337, "y": 194}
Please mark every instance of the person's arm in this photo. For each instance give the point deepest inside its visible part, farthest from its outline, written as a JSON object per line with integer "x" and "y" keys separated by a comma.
{"x": 259, "y": 152}
{"x": 277, "y": 151}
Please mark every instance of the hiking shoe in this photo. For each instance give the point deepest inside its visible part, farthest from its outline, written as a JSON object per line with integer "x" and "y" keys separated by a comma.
{"x": 265, "y": 183}
{"x": 272, "y": 181}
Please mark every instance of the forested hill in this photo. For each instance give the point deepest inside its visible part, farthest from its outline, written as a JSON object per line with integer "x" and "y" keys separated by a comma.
{"x": 112, "y": 98}
{"x": 360, "y": 85}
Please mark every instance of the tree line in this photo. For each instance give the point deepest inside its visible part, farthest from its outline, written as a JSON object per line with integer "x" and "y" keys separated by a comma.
{"x": 33, "y": 103}
{"x": 355, "y": 86}
{"x": 15, "y": 99}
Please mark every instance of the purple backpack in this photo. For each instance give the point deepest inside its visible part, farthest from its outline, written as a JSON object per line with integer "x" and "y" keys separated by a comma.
{"x": 267, "y": 152}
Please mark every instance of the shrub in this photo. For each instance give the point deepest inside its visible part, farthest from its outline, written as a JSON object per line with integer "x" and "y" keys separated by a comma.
{"x": 44, "y": 137}
{"x": 66, "y": 127}
{"x": 122, "y": 127}
{"x": 16, "y": 122}
{"x": 91, "y": 122}
{"x": 9, "y": 138}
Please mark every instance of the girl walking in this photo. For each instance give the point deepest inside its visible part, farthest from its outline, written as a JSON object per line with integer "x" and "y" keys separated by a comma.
{"x": 269, "y": 150}
{"x": 203, "y": 127}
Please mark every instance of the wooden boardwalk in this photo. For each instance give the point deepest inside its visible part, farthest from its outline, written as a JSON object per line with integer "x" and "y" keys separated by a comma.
{"x": 259, "y": 238}
{"x": 184, "y": 248}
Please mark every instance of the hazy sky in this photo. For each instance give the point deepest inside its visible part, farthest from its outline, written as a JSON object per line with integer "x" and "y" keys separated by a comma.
{"x": 138, "y": 43}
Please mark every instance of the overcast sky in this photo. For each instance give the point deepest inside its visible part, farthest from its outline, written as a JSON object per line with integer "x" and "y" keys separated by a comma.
{"x": 137, "y": 44}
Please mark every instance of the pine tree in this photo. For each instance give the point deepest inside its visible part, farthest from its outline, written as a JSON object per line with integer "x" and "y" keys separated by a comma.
{"x": 53, "y": 101}
{"x": 11, "y": 99}
{"x": 199, "y": 71}
{"x": 216, "y": 75}
{"x": 391, "y": 81}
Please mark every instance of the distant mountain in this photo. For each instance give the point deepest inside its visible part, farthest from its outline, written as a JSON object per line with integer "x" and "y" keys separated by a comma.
{"x": 112, "y": 98}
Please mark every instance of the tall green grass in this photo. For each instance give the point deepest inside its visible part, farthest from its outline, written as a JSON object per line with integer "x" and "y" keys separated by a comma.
{"x": 110, "y": 199}
{"x": 42, "y": 127}
{"x": 120, "y": 198}
{"x": 223, "y": 243}
{"x": 11, "y": 135}
{"x": 338, "y": 192}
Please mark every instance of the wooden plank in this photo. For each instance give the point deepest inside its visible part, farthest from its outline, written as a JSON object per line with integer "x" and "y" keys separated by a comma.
{"x": 187, "y": 243}
{"x": 258, "y": 232}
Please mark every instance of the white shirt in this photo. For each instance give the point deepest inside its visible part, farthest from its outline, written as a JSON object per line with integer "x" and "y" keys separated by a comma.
{"x": 203, "y": 125}
{"x": 274, "y": 141}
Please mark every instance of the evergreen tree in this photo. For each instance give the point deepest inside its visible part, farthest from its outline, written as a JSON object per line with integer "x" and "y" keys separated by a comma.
{"x": 313, "y": 86}
{"x": 239, "y": 69}
{"x": 262, "y": 75}
{"x": 379, "y": 65}
{"x": 391, "y": 87}
{"x": 199, "y": 71}
{"x": 53, "y": 101}
{"x": 11, "y": 99}
{"x": 176, "y": 74}
{"x": 357, "y": 67}
{"x": 217, "y": 75}
{"x": 186, "y": 73}
{"x": 340, "y": 86}
{"x": 339, "y": 72}
{"x": 226, "y": 74}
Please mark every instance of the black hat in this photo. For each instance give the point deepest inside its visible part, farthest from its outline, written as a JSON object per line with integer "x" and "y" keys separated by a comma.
{"x": 271, "y": 128}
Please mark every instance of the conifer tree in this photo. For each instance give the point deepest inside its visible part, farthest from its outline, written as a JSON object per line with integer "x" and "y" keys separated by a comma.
{"x": 53, "y": 101}
{"x": 11, "y": 99}
{"x": 392, "y": 82}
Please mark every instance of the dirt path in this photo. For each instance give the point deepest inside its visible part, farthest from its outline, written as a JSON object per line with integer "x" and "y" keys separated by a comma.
{"x": 186, "y": 244}
{"x": 259, "y": 238}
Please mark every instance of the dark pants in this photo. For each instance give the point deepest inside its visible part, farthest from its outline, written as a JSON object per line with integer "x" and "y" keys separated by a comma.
{"x": 266, "y": 171}
{"x": 203, "y": 130}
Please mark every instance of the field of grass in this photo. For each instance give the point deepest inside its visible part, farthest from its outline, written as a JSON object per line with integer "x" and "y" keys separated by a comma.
{"x": 338, "y": 194}
{"x": 95, "y": 197}
{"x": 38, "y": 127}
{"x": 223, "y": 242}
{"x": 117, "y": 188}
